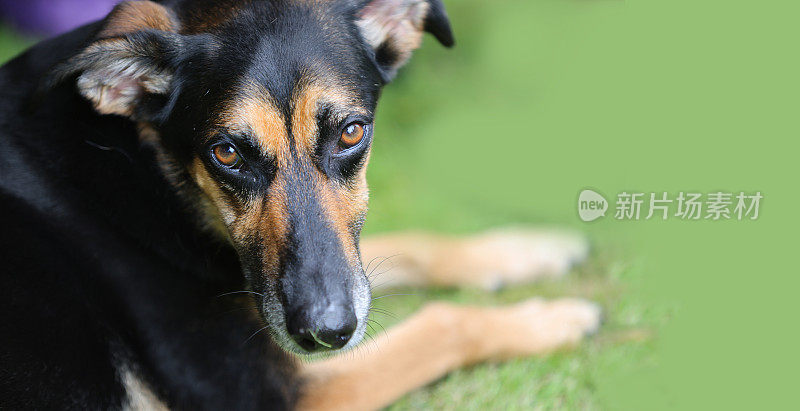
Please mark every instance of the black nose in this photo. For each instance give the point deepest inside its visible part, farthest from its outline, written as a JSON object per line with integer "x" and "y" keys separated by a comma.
{"x": 321, "y": 328}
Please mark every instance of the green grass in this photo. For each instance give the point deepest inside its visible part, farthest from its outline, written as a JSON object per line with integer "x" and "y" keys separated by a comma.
{"x": 11, "y": 43}
{"x": 466, "y": 141}
{"x": 563, "y": 380}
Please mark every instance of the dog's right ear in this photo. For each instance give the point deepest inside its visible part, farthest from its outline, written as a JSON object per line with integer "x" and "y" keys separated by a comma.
{"x": 394, "y": 28}
{"x": 128, "y": 68}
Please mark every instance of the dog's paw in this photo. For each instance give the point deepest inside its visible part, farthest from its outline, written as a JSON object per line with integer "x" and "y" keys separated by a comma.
{"x": 538, "y": 326}
{"x": 507, "y": 257}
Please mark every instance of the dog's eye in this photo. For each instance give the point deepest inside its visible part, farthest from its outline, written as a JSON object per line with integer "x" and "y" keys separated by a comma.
{"x": 352, "y": 134}
{"x": 226, "y": 155}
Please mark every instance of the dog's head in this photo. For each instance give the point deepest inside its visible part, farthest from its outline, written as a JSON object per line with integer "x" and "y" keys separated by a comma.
{"x": 261, "y": 113}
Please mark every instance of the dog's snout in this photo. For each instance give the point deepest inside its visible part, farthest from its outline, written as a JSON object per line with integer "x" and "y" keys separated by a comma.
{"x": 321, "y": 328}
{"x": 321, "y": 286}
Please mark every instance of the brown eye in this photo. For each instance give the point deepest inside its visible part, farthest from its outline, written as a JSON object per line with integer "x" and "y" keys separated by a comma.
{"x": 352, "y": 135}
{"x": 227, "y": 156}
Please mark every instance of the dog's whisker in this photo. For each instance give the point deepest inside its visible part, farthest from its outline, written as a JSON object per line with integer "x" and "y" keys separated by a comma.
{"x": 384, "y": 312}
{"x": 383, "y": 261}
{"x": 379, "y": 325}
{"x": 392, "y": 295}
{"x": 381, "y": 284}
{"x": 105, "y": 148}
{"x": 383, "y": 272}
{"x": 371, "y": 344}
{"x": 254, "y": 334}
{"x": 373, "y": 275}
{"x": 241, "y": 292}
{"x": 370, "y": 262}
{"x": 378, "y": 310}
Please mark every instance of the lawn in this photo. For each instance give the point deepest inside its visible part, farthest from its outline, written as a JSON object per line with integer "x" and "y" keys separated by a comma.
{"x": 563, "y": 380}
{"x": 475, "y": 138}
{"x": 468, "y": 139}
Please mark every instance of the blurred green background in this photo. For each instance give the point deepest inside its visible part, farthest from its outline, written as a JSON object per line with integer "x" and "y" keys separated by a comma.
{"x": 542, "y": 98}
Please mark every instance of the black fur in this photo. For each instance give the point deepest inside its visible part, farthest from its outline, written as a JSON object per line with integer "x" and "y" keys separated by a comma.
{"x": 103, "y": 265}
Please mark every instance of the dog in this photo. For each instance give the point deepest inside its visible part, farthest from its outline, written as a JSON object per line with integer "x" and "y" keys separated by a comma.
{"x": 183, "y": 189}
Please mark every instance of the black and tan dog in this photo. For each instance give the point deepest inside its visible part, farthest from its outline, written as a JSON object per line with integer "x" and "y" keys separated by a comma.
{"x": 156, "y": 163}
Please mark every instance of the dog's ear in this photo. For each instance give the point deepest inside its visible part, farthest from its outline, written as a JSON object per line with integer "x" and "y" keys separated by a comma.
{"x": 394, "y": 28}
{"x": 128, "y": 68}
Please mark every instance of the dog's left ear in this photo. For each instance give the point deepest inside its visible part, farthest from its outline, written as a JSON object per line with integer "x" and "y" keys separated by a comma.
{"x": 128, "y": 67}
{"x": 394, "y": 28}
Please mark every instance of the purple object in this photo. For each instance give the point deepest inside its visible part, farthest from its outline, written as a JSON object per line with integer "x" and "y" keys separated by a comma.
{"x": 49, "y": 17}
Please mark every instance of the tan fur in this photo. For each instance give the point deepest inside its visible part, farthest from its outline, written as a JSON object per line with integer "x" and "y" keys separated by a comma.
{"x": 400, "y": 26}
{"x": 490, "y": 260}
{"x": 344, "y": 205}
{"x": 312, "y": 93}
{"x": 304, "y": 116}
{"x": 115, "y": 85}
{"x": 439, "y": 339}
{"x": 131, "y": 16}
{"x": 443, "y": 337}
{"x": 216, "y": 206}
{"x": 255, "y": 114}
{"x": 139, "y": 394}
{"x": 273, "y": 227}
{"x": 258, "y": 219}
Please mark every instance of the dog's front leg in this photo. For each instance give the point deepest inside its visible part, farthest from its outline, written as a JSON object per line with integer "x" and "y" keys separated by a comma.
{"x": 489, "y": 260}
{"x": 438, "y": 339}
